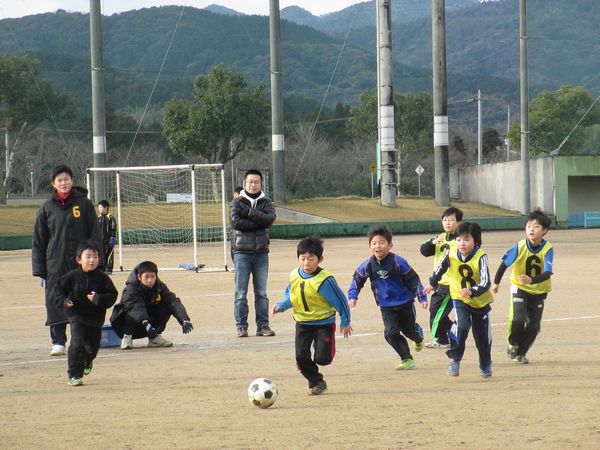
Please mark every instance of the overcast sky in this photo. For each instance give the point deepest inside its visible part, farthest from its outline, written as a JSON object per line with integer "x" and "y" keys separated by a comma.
{"x": 19, "y": 8}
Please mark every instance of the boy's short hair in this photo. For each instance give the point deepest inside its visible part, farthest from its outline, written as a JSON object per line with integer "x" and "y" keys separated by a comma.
{"x": 104, "y": 203}
{"x": 382, "y": 230}
{"x": 453, "y": 211}
{"x": 146, "y": 267}
{"x": 310, "y": 244}
{"x": 471, "y": 228}
{"x": 253, "y": 172}
{"x": 87, "y": 245}
{"x": 540, "y": 217}
{"x": 238, "y": 190}
{"x": 60, "y": 169}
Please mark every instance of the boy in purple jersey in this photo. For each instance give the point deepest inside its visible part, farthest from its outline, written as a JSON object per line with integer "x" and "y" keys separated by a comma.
{"x": 395, "y": 285}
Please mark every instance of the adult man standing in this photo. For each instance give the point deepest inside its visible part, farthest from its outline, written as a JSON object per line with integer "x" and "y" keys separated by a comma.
{"x": 251, "y": 214}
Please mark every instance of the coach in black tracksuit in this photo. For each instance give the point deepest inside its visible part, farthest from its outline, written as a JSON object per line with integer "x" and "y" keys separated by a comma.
{"x": 63, "y": 221}
{"x": 85, "y": 317}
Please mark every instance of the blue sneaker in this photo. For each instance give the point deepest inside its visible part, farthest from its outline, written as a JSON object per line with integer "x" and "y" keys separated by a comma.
{"x": 454, "y": 368}
{"x": 487, "y": 372}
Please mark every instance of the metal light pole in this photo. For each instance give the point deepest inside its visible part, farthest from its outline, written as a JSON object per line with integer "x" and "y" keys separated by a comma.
{"x": 440, "y": 104}
{"x": 479, "y": 143}
{"x": 386, "y": 105}
{"x": 524, "y": 85}
{"x": 277, "y": 141}
{"x": 508, "y": 131}
{"x": 98, "y": 117}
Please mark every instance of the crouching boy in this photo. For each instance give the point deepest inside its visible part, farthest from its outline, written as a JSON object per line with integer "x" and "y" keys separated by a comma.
{"x": 146, "y": 306}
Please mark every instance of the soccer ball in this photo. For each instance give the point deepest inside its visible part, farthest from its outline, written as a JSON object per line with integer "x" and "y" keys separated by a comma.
{"x": 262, "y": 392}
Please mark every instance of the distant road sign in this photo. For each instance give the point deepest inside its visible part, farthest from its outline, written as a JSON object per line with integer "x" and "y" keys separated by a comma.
{"x": 419, "y": 170}
{"x": 373, "y": 167}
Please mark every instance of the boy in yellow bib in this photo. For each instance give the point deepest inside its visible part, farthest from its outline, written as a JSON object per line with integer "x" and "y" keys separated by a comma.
{"x": 531, "y": 259}
{"x": 315, "y": 297}
{"x": 467, "y": 266}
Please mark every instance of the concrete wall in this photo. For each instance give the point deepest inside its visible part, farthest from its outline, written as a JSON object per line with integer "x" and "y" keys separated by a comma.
{"x": 501, "y": 184}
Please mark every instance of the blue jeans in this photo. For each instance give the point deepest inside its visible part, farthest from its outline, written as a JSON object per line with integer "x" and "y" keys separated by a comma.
{"x": 256, "y": 264}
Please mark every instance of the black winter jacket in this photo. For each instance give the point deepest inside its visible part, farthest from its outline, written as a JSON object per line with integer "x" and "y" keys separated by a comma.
{"x": 250, "y": 220}
{"x": 57, "y": 232}
{"x": 75, "y": 286}
{"x": 140, "y": 303}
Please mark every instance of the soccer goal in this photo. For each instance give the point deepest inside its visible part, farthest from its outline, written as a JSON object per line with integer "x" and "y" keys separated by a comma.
{"x": 172, "y": 215}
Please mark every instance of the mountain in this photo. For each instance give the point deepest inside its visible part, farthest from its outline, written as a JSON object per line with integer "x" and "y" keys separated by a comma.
{"x": 218, "y": 9}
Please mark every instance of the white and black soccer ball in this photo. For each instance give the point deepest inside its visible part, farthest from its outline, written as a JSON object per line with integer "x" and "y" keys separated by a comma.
{"x": 262, "y": 392}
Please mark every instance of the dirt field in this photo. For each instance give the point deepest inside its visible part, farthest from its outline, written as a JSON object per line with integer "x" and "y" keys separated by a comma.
{"x": 194, "y": 394}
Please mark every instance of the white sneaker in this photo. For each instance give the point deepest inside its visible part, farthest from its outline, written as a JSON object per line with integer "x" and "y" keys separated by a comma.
{"x": 159, "y": 341}
{"x": 58, "y": 350}
{"x": 126, "y": 342}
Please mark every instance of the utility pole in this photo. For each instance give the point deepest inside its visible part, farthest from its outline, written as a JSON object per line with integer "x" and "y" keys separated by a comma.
{"x": 479, "y": 143}
{"x": 440, "y": 103}
{"x": 277, "y": 143}
{"x": 508, "y": 131}
{"x": 524, "y": 107}
{"x": 389, "y": 182}
{"x": 98, "y": 117}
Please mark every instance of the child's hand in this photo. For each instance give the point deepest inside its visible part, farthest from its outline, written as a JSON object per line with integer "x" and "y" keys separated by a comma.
{"x": 275, "y": 310}
{"x": 90, "y": 296}
{"x": 466, "y": 292}
{"x": 346, "y": 331}
{"x": 352, "y": 303}
{"x": 428, "y": 289}
{"x": 68, "y": 304}
{"x": 437, "y": 241}
{"x": 525, "y": 279}
{"x": 495, "y": 288}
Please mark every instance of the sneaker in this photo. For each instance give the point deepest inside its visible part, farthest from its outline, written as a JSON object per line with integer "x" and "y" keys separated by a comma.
{"x": 159, "y": 341}
{"x": 318, "y": 389}
{"x": 126, "y": 342}
{"x": 242, "y": 332}
{"x": 406, "y": 364}
{"x": 487, "y": 372}
{"x": 521, "y": 359}
{"x": 511, "y": 351}
{"x": 436, "y": 344}
{"x": 419, "y": 345}
{"x": 265, "y": 331}
{"x": 74, "y": 381}
{"x": 454, "y": 368}
{"x": 88, "y": 368}
{"x": 58, "y": 350}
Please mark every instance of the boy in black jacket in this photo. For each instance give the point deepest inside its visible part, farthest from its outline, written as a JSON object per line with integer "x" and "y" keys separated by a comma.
{"x": 146, "y": 306}
{"x": 85, "y": 294}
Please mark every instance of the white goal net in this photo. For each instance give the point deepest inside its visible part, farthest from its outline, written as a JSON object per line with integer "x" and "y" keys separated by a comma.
{"x": 172, "y": 215}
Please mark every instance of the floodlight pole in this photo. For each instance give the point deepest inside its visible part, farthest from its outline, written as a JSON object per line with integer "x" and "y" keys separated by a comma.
{"x": 277, "y": 141}
{"x": 440, "y": 104}
{"x": 389, "y": 182}
{"x": 524, "y": 84}
{"x": 98, "y": 117}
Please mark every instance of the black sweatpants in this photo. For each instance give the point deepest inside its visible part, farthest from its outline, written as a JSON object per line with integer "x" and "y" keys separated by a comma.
{"x": 109, "y": 257}
{"x": 322, "y": 339}
{"x": 440, "y": 308}
{"x": 399, "y": 321}
{"x": 85, "y": 342}
{"x": 158, "y": 319}
{"x": 524, "y": 320}
{"x": 478, "y": 319}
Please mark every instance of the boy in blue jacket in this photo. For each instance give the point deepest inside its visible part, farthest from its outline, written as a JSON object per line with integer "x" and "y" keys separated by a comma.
{"x": 395, "y": 285}
{"x": 315, "y": 297}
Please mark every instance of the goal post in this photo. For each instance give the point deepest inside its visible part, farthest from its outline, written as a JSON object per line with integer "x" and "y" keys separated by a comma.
{"x": 173, "y": 215}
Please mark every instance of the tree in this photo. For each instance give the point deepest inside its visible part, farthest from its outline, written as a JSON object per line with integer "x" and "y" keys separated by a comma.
{"x": 25, "y": 102}
{"x": 552, "y": 116}
{"x": 223, "y": 120}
